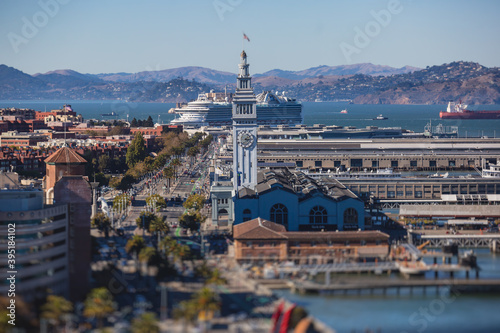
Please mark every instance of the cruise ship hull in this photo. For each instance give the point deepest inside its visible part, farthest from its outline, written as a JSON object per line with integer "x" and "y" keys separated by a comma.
{"x": 467, "y": 114}
{"x": 220, "y": 114}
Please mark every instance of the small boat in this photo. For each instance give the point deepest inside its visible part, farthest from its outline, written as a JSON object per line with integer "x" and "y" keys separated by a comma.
{"x": 451, "y": 248}
{"x": 380, "y": 117}
{"x": 112, "y": 114}
{"x": 412, "y": 268}
{"x": 469, "y": 259}
{"x": 343, "y": 111}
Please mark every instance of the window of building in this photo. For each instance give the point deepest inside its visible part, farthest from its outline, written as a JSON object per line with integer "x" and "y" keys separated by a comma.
{"x": 318, "y": 164}
{"x": 351, "y": 217}
{"x": 374, "y": 164}
{"x": 432, "y": 163}
{"x": 247, "y": 215}
{"x": 394, "y": 164}
{"x": 279, "y": 214}
{"x": 413, "y": 164}
{"x": 318, "y": 215}
{"x": 356, "y": 163}
{"x": 336, "y": 164}
{"x": 299, "y": 164}
{"x": 451, "y": 163}
{"x": 223, "y": 214}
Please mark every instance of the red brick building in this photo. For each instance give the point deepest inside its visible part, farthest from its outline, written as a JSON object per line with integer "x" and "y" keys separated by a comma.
{"x": 259, "y": 240}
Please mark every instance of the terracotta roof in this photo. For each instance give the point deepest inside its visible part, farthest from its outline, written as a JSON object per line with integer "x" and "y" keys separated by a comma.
{"x": 258, "y": 229}
{"x": 262, "y": 229}
{"x": 65, "y": 155}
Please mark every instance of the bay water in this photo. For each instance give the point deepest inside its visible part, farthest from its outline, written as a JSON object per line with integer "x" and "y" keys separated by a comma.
{"x": 410, "y": 117}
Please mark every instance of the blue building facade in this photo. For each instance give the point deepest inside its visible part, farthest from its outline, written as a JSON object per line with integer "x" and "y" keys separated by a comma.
{"x": 300, "y": 203}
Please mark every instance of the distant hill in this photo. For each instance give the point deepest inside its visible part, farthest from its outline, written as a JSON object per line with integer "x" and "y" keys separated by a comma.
{"x": 361, "y": 83}
{"x": 200, "y": 74}
{"x": 364, "y": 68}
{"x": 67, "y": 78}
{"x": 14, "y": 79}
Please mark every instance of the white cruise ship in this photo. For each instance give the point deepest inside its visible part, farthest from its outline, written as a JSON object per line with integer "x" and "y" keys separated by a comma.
{"x": 272, "y": 109}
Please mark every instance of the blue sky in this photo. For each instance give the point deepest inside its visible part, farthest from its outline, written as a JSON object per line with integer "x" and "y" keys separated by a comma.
{"x": 107, "y": 36}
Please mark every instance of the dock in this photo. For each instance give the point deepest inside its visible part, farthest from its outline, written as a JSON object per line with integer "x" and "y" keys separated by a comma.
{"x": 468, "y": 241}
{"x": 455, "y": 285}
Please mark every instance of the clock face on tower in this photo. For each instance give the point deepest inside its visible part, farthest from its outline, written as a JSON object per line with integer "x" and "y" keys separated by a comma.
{"x": 245, "y": 139}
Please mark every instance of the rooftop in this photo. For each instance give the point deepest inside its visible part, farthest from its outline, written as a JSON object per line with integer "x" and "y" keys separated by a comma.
{"x": 65, "y": 155}
{"x": 297, "y": 182}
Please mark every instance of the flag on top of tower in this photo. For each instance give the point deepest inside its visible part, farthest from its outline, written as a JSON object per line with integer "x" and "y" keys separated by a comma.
{"x": 246, "y": 37}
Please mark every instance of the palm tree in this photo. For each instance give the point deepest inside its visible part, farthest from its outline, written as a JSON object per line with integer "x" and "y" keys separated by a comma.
{"x": 170, "y": 246}
{"x": 216, "y": 278}
{"x": 169, "y": 173}
{"x": 55, "y": 308}
{"x": 148, "y": 255}
{"x": 186, "y": 311}
{"x": 99, "y": 303}
{"x": 175, "y": 163}
{"x": 206, "y": 301}
{"x": 135, "y": 244}
{"x": 158, "y": 227}
{"x": 100, "y": 221}
{"x": 146, "y": 323}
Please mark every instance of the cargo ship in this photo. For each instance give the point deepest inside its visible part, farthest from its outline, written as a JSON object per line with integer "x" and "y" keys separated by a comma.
{"x": 459, "y": 111}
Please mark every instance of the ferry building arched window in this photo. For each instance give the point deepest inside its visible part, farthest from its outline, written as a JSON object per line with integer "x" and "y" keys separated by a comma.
{"x": 351, "y": 217}
{"x": 279, "y": 214}
{"x": 318, "y": 215}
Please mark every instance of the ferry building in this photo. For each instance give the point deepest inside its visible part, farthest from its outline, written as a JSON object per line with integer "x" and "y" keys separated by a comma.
{"x": 288, "y": 198}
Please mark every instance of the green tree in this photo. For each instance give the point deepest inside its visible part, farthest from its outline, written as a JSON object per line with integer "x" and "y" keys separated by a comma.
{"x": 156, "y": 200}
{"x": 160, "y": 161}
{"x": 216, "y": 278}
{"x": 158, "y": 225}
{"x": 121, "y": 201}
{"x": 115, "y": 182}
{"x": 146, "y": 323}
{"x": 133, "y": 123}
{"x": 144, "y": 220}
{"x": 169, "y": 174}
{"x": 207, "y": 300}
{"x": 171, "y": 247}
{"x": 149, "y": 122}
{"x": 148, "y": 161}
{"x": 135, "y": 244}
{"x": 192, "y": 152}
{"x": 148, "y": 255}
{"x": 195, "y": 202}
{"x": 136, "y": 151}
{"x": 186, "y": 311}
{"x": 99, "y": 303}
{"x": 55, "y": 308}
{"x": 117, "y": 130}
{"x": 175, "y": 164}
{"x": 126, "y": 182}
{"x": 191, "y": 220}
{"x": 103, "y": 163}
{"x": 100, "y": 221}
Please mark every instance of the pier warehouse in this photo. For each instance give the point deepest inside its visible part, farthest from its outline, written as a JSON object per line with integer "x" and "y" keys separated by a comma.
{"x": 261, "y": 240}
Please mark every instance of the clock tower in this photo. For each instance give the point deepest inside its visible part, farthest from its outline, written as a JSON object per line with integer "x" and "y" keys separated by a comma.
{"x": 244, "y": 130}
